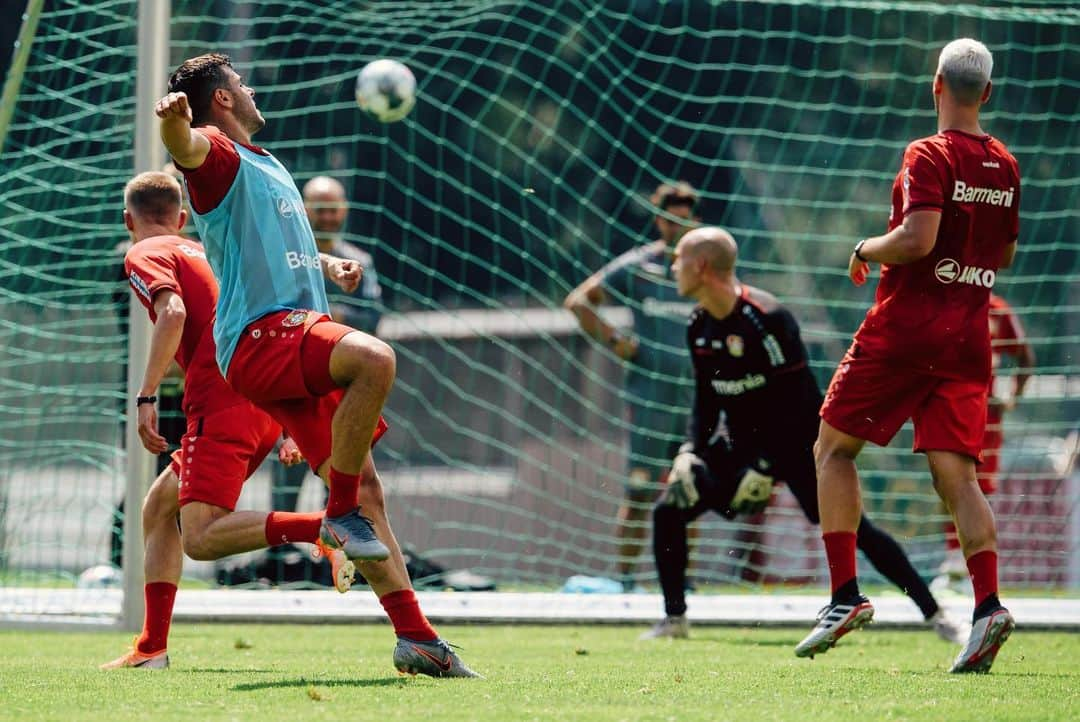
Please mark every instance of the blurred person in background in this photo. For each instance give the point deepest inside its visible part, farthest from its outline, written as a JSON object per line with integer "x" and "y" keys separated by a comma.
{"x": 657, "y": 385}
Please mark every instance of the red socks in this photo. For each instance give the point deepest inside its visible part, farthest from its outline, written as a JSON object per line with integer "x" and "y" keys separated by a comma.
{"x": 404, "y": 612}
{"x": 344, "y": 493}
{"x": 159, "y": 606}
{"x": 840, "y": 551}
{"x": 283, "y": 527}
{"x": 983, "y": 568}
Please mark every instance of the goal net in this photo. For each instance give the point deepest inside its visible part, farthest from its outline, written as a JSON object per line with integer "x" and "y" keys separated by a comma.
{"x": 540, "y": 131}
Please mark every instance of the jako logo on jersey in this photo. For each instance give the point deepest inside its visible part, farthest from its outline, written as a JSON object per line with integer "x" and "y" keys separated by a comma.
{"x": 674, "y": 309}
{"x": 302, "y": 260}
{"x": 287, "y": 208}
{"x": 963, "y": 193}
{"x": 738, "y": 386}
{"x": 948, "y": 271}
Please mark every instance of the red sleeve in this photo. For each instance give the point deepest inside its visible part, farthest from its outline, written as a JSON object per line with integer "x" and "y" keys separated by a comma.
{"x": 150, "y": 271}
{"x": 922, "y": 179}
{"x": 208, "y": 184}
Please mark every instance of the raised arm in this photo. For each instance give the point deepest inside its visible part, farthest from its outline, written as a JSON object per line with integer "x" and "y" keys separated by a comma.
{"x": 187, "y": 146}
{"x": 583, "y": 302}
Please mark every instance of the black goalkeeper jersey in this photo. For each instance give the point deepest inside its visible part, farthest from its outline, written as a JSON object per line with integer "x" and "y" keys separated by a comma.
{"x": 751, "y": 368}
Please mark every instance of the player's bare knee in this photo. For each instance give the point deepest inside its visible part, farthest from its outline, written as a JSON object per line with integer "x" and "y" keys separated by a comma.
{"x": 380, "y": 362}
{"x": 160, "y": 502}
{"x": 827, "y": 452}
{"x": 364, "y": 357}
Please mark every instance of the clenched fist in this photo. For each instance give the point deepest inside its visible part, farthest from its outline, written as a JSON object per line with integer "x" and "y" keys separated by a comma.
{"x": 174, "y": 105}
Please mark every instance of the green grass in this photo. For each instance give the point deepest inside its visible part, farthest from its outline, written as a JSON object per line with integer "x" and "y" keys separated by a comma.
{"x": 279, "y": 672}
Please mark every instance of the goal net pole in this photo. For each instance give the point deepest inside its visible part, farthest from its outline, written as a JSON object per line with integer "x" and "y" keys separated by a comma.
{"x": 151, "y": 69}
{"x": 19, "y": 59}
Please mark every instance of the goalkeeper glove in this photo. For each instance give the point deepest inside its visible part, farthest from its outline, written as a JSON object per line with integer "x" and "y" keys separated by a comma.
{"x": 753, "y": 492}
{"x": 682, "y": 491}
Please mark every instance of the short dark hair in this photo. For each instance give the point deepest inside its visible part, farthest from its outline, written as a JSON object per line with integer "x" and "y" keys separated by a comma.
{"x": 675, "y": 194}
{"x": 199, "y": 77}
{"x": 154, "y": 196}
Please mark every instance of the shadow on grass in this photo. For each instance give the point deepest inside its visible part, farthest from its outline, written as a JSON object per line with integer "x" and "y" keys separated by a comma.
{"x": 751, "y": 642}
{"x": 223, "y": 670}
{"x": 286, "y": 683}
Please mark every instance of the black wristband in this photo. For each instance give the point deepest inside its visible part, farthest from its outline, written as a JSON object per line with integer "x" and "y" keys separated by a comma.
{"x": 140, "y": 400}
{"x": 858, "y": 251}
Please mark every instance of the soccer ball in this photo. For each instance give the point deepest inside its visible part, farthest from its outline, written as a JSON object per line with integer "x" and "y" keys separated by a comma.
{"x": 102, "y": 576}
{"x": 386, "y": 90}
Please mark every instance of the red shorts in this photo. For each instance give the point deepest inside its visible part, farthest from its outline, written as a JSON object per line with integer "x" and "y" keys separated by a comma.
{"x": 871, "y": 400}
{"x": 220, "y": 451}
{"x": 282, "y": 363}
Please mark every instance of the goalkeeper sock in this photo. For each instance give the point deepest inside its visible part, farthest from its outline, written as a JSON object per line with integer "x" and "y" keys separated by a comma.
{"x": 671, "y": 552}
{"x": 344, "y": 493}
{"x": 983, "y": 568}
{"x": 404, "y": 612}
{"x": 283, "y": 527}
{"x": 888, "y": 558}
{"x": 840, "y": 551}
{"x": 159, "y": 598}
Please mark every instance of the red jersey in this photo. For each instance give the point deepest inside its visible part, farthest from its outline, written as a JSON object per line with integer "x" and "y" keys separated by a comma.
{"x": 179, "y": 265}
{"x": 931, "y": 315}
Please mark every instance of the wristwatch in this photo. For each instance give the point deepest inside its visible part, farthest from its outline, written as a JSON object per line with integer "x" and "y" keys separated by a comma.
{"x": 858, "y": 251}
{"x": 140, "y": 400}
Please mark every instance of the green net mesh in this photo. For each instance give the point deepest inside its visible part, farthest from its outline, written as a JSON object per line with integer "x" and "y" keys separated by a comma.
{"x": 540, "y": 131}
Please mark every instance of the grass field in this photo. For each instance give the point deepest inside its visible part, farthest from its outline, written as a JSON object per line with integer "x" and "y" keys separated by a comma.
{"x": 278, "y": 672}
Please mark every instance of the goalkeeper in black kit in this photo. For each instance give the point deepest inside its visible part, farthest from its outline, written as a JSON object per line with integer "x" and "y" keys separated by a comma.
{"x": 754, "y": 422}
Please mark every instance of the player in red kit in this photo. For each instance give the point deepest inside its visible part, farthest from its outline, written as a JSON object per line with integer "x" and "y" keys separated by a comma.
{"x": 277, "y": 344}
{"x": 227, "y": 436}
{"x": 923, "y": 351}
{"x": 1007, "y": 338}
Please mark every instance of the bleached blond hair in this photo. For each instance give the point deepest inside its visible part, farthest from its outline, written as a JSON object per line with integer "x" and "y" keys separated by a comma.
{"x": 965, "y": 65}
